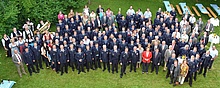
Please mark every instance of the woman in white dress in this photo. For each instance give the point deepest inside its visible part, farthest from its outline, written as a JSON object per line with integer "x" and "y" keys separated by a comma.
{"x": 140, "y": 49}
{"x": 13, "y": 46}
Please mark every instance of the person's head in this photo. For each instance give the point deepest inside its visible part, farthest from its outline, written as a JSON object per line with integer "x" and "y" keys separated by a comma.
{"x": 54, "y": 47}
{"x": 15, "y": 51}
{"x": 71, "y": 46}
{"x": 126, "y": 49}
{"x": 207, "y": 52}
{"x": 173, "y": 55}
{"x": 157, "y": 49}
{"x": 96, "y": 45}
{"x": 61, "y": 47}
{"x": 148, "y": 49}
{"x": 79, "y": 50}
{"x": 175, "y": 62}
{"x": 135, "y": 48}
{"x": 213, "y": 47}
{"x": 26, "y": 49}
{"x": 192, "y": 58}
{"x": 184, "y": 62}
{"x": 115, "y": 47}
{"x": 104, "y": 47}
{"x": 87, "y": 47}
{"x": 35, "y": 44}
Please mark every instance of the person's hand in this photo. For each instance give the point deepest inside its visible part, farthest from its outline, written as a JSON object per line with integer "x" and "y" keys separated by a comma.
{"x": 19, "y": 62}
{"x": 92, "y": 58}
{"x": 33, "y": 60}
{"x": 80, "y": 60}
{"x": 58, "y": 62}
{"x": 100, "y": 60}
{"x": 158, "y": 64}
{"x": 68, "y": 60}
{"x": 52, "y": 62}
{"x": 110, "y": 62}
{"x": 27, "y": 64}
{"x": 120, "y": 63}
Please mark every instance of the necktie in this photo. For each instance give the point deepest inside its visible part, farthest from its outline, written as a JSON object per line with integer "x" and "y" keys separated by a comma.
{"x": 19, "y": 58}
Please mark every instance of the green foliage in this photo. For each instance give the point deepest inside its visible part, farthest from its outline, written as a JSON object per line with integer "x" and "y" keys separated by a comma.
{"x": 14, "y": 13}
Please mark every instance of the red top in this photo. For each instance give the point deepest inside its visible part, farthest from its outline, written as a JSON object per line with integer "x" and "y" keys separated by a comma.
{"x": 146, "y": 56}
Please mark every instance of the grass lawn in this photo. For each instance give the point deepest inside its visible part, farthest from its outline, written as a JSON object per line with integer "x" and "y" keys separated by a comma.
{"x": 98, "y": 79}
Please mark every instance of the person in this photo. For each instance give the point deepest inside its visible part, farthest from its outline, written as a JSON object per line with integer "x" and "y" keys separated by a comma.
{"x": 147, "y": 14}
{"x": 105, "y": 58}
{"x": 130, "y": 11}
{"x": 96, "y": 56}
{"x": 134, "y": 57}
{"x": 162, "y": 48}
{"x": 114, "y": 57}
{"x": 208, "y": 27}
{"x": 169, "y": 64}
{"x": 28, "y": 60}
{"x": 192, "y": 69}
{"x": 80, "y": 57}
{"x": 55, "y": 56}
{"x": 167, "y": 54}
{"x": 214, "y": 54}
{"x": 206, "y": 60}
{"x": 175, "y": 72}
{"x": 18, "y": 61}
{"x": 146, "y": 58}
{"x": 99, "y": 9}
{"x": 5, "y": 44}
{"x": 88, "y": 58}
{"x": 60, "y": 16}
{"x": 141, "y": 50}
{"x": 44, "y": 54}
{"x": 63, "y": 59}
{"x": 37, "y": 55}
{"x": 183, "y": 71}
{"x": 72, "y": 58}
{"x": 15, "y": 34}
{"x": 13, "y": 46}
{"x": 124, "y": 57}
{"x": 155, "y": 60}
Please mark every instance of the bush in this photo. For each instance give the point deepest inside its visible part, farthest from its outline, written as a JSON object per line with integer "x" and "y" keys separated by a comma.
{"x": 16, "y": 12}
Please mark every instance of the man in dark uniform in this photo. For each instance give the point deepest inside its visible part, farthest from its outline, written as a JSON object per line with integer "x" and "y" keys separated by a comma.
{"x": 134, "y": 58}
{"x": 80, "y": 57}
{"x": 124, "y": 60}
{"x": 28, "y": 60}
{"x": 96, "y": 54}
{"x": 72, "y": 56}
{"x": 104, "y": 58}
{"x": 206, "y": 59}
{"x": 54, "y": 57}
{"x": 63, "y": 59}
{"x": 192, "y": 69}
{"x": 114, "y": 57}
{"x": 169, "y": 63}
{"x": 88, "y": 58}
{"x": 156, "y": 60}
{"x": 36, "y": 52}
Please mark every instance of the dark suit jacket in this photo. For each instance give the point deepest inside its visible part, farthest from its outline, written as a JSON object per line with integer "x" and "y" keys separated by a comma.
{"x": 156, "y": 58}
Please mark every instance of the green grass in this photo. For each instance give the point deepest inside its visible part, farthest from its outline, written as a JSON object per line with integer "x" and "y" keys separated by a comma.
{"x": 98, "y": 79}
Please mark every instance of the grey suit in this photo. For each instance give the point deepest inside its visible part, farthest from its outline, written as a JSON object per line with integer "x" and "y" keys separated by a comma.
{"x": 211, "y": 27}
{"x": 175, "y": 72}
{"x": 16, "y": 61}
{"x": 167, "y": 54}
{"x": 200, "y": 23}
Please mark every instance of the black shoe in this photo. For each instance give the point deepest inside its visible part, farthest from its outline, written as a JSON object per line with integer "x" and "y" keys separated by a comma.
{"x": 66, "y": 72}
{"x": 190, "y": 85}
{"x": 87, "y": 70}
{"x": 116, "y": 71}
{"x": 134, "y": 71}
{"x": 103, "y": 70}
{"x": 84, "y": 72}
{"x": 204, "y": 75}
{"x": 120, "y": 76}
{"x": 125, "y": 73}
{"x": 112, "y": 72}
{"x": 78, "y": 72}
{"x": 166, "y": 77}
{"x": 61, "y": 74}
{"x": 170, "y": 83}
{"x": 41, "y": 68}
{"x": 30, "y": 74}
{"x": 130, "y": 70}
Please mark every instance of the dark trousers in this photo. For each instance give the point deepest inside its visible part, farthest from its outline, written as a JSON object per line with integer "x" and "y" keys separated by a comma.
{"x": 195, "y": 75}
{"x": 106, "y": 64}
{"x": 168, "y": 73}
{"x": 123, "y": 68}
{"x": 97, "y": 62}
{"x": 56, "y": 66}
{"x": 64, "y": 66}
{"x": 46, "y": 61}
{"x": 190, "y": 76}
{"x": 115, "y": 67}
{"x": 31, "y": 68}
{"x": 39, "y": 60}
{"x": 133, "y": 65}
{"x": 89, "y": 65}
{"x": 210, "y": 66}
{"x": 205, "y": 70}
{"x": 36, "y": 65}
{"x": 173, "y": 79}
{"x": 80, "y": 67}
{"x": 154, "y": 66}
{"x": 72, "y": 65}
{"x": 145, "y": 67}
